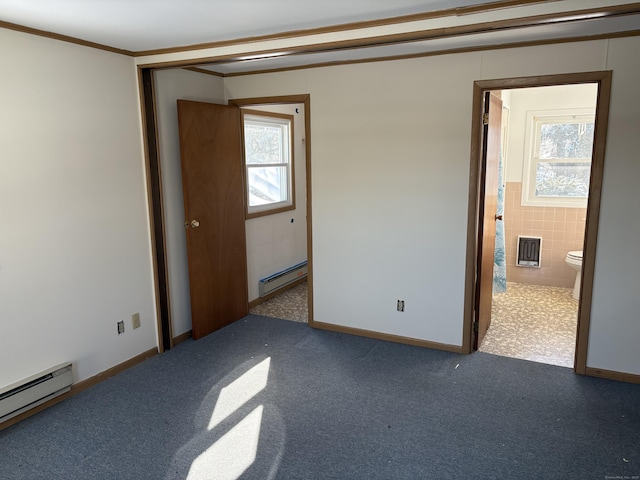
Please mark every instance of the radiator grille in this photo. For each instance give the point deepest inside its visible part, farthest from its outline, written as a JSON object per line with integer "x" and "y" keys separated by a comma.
{"x": 278, "y": 280}
{"x": 35, "y": 390}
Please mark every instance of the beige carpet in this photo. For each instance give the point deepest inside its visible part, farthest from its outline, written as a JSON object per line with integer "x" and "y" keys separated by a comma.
{"x": 535, "y": 323}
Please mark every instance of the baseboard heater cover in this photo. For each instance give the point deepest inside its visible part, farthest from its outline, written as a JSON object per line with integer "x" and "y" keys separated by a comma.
{"x": 35, "y": 390}
{"x": 278, "y": 280}
{"x": 529, "y": 251}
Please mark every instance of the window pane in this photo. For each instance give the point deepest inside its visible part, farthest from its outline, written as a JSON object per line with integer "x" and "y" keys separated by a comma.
{"x": 566, "y": 140}
{"x": 556, "y": 179}
{"x": 264, "y": 143}
{"x": 267, "y": 185}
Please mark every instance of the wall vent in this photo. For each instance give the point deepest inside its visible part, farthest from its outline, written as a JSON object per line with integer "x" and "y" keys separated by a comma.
{"x": 529, "y": 251}
{"x": 278, "y": 280}
{"x": 35, "y": 390}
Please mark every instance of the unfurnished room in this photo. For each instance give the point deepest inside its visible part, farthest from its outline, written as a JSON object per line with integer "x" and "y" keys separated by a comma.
{"x": 319, "y": 240}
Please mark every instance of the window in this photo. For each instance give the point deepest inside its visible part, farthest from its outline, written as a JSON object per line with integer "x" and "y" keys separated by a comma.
{"x": 558, "y": 166}
{"x": 268, "y": 149}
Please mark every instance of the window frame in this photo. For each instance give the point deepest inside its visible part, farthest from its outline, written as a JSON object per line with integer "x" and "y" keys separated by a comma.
{"x": 280, "y": 119}
{"x": 534, "y": 122}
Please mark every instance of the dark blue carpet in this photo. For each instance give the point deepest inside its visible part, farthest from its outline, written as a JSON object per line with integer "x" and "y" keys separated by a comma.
{"x": 291, "y": 402}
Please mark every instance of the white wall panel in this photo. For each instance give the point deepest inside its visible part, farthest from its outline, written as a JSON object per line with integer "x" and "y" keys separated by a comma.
{"x": 74, "y": 232}
{"x": 615, "y": 315}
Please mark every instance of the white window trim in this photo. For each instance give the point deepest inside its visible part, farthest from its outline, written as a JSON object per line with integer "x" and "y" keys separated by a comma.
{"x": 287, "y": 122}
{"x": 528, "y": 169}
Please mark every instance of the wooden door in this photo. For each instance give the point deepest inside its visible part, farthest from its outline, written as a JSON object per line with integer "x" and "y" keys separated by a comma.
{"x": 487, "y": 212}
{"x": 212, "y": 181}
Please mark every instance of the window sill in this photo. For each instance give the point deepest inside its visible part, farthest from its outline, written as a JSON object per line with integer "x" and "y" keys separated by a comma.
{"x": 269, "y": 211}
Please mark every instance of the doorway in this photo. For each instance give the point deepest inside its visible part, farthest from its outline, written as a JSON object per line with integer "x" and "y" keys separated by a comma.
{"x": 164, "y": 217}
{"x": 543, "y": 179}
{"x": 477, "y": 244}
{"x": 279, "y": 241}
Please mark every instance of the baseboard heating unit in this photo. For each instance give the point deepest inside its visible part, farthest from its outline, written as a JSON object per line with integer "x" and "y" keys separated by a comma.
{"x": 35, "y": 390}
{"x": 278, "y": 280}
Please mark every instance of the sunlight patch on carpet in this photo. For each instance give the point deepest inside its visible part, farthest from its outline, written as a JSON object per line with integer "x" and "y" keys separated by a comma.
{"x": 232, "y": 454}
{"x": 239, "y": 392}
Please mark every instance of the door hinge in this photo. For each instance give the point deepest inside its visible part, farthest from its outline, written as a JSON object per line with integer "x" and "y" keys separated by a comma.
{"x": 485, "y": 118}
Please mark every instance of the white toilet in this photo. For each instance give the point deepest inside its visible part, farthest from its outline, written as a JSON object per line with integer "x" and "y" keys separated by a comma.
{"x": 574, "y": 260}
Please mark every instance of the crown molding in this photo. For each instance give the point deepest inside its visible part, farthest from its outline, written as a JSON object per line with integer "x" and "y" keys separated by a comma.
{"x": 64, "y": 38}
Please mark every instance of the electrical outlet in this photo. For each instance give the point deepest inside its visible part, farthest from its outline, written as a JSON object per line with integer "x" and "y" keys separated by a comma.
{"x": 401, "y": 305}
{"x": 120, "y": 327}
{"x": 135, "y": 320}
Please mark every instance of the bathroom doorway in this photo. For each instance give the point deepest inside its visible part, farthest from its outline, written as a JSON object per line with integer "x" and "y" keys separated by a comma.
{"x": 546, "y": 146}
{"x": 530, "y": 173}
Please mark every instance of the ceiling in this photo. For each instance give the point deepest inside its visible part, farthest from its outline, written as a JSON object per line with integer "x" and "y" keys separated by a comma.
{"x": 142, "y": 26}
{"x": 139, "y": 25}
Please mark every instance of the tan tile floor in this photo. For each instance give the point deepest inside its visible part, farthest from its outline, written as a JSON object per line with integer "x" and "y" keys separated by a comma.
{"x": 530, "y": 322}
{"x": 535, "y": 323}
{"x": 289, "y": 305}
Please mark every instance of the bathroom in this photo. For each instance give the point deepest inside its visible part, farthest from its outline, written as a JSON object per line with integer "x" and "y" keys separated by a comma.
{"x": 534, "y": 317}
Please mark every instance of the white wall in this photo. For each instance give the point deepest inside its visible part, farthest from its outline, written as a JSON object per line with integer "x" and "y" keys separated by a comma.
{"x": 523, "y": 100}
{"x": 171, "y": 85}
{"x": 279, "y": 241}
{"x": 615, "y": 316}
{"x": 390, "y": 166}
{"x": 74, "y": 230}
{"x": 390, "y": 190}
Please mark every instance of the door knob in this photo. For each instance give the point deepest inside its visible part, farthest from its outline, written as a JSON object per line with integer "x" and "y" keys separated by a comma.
{"x": 192, "y": 224}
{"x": 498, "y": 217}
